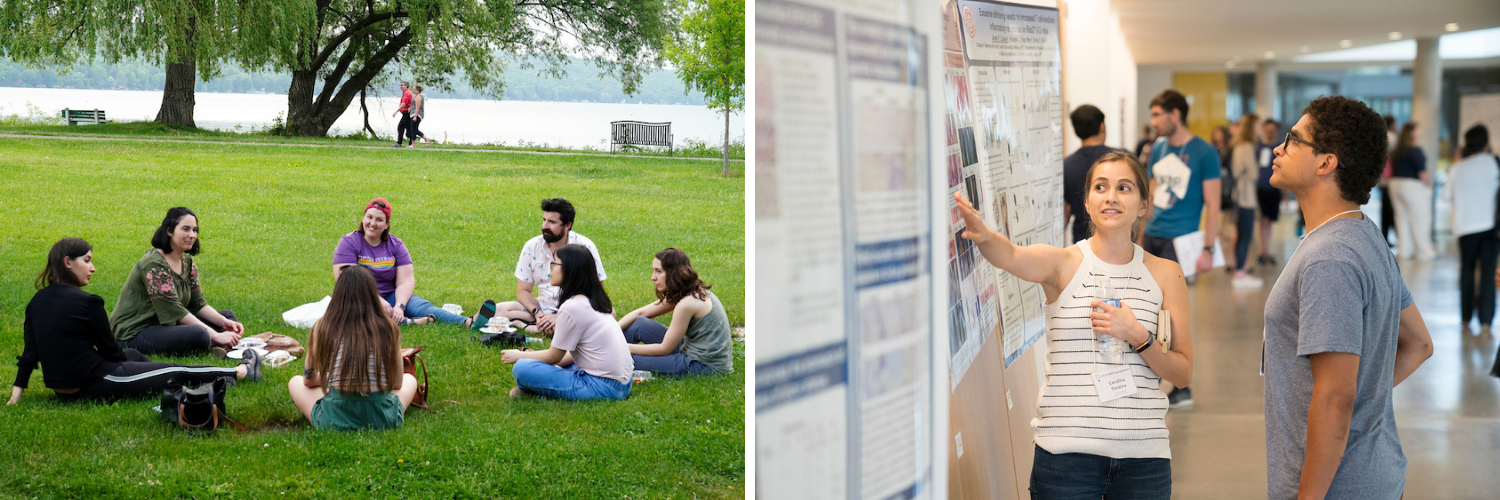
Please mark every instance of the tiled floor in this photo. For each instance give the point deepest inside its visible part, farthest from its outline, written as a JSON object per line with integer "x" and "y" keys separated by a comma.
{"x": 1448, "y": 412}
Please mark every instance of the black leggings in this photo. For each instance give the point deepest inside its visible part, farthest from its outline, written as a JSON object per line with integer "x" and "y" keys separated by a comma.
{"x": 413, "y": 132}
{"x": 139, "y": 377}
{"x": 1245, "y": 229}
{"x": 177, "y": 339}
{"x": 1478, "y": 250}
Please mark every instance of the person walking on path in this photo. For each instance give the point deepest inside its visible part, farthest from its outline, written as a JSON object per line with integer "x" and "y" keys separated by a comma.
{"x": 1246, "y": 175}
{"x": 1411, "y": 186}
{"x": 1471, "y": 187}
{"x": 1268, "y": 197}
{"x": 1341, "y": 329}
{"x": 1184, "y": 171}
{"x": 419, "y": 110}
{"x": 405, "y": 111}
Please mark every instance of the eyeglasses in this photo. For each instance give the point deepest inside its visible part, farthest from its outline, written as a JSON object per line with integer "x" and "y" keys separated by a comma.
{"x": 1292, "y": 137}
{"x": 556, "y": 264}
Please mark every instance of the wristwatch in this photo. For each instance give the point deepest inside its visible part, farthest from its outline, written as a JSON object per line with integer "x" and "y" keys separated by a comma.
{"x": 402, "y": 306}
{"x": 1208, "y": 248}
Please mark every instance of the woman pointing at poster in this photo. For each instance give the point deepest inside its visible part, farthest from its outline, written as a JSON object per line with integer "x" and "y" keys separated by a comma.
{"x": 1100, "y": 428}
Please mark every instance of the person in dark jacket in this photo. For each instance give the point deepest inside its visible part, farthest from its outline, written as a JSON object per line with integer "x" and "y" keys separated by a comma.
{"x": 67, "y": 330}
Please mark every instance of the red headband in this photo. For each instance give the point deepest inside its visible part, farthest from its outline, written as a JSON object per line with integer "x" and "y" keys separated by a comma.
{"x": 385, "y": 206}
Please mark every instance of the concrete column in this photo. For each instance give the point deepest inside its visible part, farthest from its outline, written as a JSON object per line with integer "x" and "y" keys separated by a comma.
{"x": 1427, "y": 97}
{"x": 1266, "y": 92}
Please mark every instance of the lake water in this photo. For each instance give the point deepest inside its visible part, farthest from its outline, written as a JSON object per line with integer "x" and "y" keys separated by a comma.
{"x": 568, "y": 124}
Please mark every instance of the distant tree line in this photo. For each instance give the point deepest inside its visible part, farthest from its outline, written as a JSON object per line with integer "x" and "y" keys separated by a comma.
{"x": 581, "y": 84}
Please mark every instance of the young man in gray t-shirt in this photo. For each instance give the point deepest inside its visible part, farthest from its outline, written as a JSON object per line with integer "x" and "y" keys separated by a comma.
{"x": 1341, "y": 329}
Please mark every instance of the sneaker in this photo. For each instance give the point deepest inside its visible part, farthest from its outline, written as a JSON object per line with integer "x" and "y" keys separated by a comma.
{"x": 1180, "y": 398}
{"x": 486, "y": 312}
{"x": 252, "y": 364}
{"x": 1248, "y": 282}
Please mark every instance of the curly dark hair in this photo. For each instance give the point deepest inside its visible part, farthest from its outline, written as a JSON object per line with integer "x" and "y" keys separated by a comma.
{"x": 1353, "y": 133}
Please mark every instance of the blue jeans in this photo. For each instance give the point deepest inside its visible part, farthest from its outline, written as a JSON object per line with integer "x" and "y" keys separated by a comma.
{"x": 566, "y": 383}
{"x": 1244, "y": 231}
{"x": 1080, "y": 476}
{"x": 419, "y": 307}
{"x": 647, "y": 330}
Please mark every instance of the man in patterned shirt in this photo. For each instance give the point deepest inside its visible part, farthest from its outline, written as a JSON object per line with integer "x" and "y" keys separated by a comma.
{"x": 536, "y": 297}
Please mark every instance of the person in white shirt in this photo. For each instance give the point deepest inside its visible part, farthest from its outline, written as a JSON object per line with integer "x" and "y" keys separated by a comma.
{"x": 1473, "y": 183}
{"x": 536, "y": 298}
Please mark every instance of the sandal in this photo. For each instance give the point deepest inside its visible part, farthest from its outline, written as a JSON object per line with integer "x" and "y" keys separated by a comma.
{"x": 419, "y": 321}
{"x": 486, "y": 311}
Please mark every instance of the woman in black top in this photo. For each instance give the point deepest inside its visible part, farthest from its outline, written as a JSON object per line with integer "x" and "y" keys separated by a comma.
{"x": 1411, "y": 191}
{"x": 67, "y": 329}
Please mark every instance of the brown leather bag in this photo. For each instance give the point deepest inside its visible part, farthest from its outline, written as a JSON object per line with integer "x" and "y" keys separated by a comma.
{"x": 410, "y": 362}
{"x": 279, "y": 342}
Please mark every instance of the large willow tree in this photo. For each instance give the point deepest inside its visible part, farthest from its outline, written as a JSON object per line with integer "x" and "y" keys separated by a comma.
{"x": 336, "y": 48}
{"x": 189, "y": 36}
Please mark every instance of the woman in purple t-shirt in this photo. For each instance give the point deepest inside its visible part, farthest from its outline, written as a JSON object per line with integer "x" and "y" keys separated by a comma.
{"x": 373, "y": 246}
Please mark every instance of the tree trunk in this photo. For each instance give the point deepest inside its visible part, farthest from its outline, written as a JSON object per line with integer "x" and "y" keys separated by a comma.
{"x": 726, "y": 140}
{"x": 312, "y": 114}
{"x": 366, "y": 110}
{"x": 177, "y": 99}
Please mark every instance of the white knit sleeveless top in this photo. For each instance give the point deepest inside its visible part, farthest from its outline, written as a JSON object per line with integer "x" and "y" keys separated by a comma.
{"x": 1070, "y": 417}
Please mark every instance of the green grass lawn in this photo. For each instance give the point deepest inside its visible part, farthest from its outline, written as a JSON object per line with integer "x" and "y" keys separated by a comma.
{"x": 158, "y": 131}
{"x": 270, "y": 217}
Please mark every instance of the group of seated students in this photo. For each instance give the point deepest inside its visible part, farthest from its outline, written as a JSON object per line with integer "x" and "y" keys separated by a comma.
{"x": 353, "y": 375}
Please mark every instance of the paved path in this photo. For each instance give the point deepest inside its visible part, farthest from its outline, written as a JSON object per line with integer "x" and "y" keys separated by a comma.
{"x": 460, "y": 150}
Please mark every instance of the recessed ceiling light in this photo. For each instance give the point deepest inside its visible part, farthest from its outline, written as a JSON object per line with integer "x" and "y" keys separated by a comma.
{"x": 1451, "y": 27}
{"x": 1346, "y": 44}
{"x": 1395, "y": 35}
{"x": 1237, "y": 59}
{"x": 1306, "y": 49}
{"x": 1270, "y": 54}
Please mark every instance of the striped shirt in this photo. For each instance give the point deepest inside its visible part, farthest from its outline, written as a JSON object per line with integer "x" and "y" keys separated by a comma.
{"x": 1070, "y": 417}
{"x": 375, "y": 381}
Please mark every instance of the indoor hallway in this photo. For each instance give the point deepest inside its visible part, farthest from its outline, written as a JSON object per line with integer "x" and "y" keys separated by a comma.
{"x": 1447, "y": 413}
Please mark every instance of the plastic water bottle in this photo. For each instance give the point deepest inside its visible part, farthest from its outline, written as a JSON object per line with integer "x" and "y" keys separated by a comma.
{"x": 1111, "y": 347}
{"x": 641, "y": 376}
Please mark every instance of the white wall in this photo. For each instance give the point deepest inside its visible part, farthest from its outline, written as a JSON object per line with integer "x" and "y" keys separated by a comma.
{"x": 1151, "y": 80}
{"x": 1098, "y": 69}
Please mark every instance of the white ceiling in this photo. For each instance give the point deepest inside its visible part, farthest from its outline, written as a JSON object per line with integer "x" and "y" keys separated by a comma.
{"x": 1178, "y": 32}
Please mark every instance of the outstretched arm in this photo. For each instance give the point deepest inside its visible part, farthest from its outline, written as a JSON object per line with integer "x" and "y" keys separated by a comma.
{"x": 1035, "y": 263}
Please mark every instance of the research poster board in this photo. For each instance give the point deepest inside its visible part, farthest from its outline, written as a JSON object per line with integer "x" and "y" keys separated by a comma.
{"x": 844, "y": 382}
{"x": 1002, "y": 70}
{"x": 1003, "y": 89}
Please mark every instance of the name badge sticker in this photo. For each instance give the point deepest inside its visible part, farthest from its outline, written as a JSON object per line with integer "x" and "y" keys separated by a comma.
{"x": 1114, "y": 383}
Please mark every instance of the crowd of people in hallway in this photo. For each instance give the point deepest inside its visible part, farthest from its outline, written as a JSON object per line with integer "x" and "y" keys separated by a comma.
{"x": 353, "y": 376}
{"x": 1340, "y": 321}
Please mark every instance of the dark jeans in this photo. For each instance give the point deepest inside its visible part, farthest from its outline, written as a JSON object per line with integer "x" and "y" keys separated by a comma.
{"x": 1080, "y": 476}
{"x": 139, "y": 377}
{"x": 1478, "y": 250}
{"x": 402, "y": 126}
{"x": 177, "y": 339}
{"x": 413, "y": 132}
{"x": 1245, "y": 227}
{"x": 647, "y": 330}
{"x": 1160, "y": 247}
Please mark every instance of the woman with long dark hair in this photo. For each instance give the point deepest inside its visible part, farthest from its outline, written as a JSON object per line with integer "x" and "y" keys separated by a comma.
{"x": 588, "y": 358}
{"x": 161, "y": 308}
{"x": 1411, "y": 190}
{"x": 698, "y": 340}
{"x": 67, "y": 330}
{"x": 353, "y": 378}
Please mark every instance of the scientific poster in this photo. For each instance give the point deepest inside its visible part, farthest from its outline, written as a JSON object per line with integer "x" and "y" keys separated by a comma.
{"x": 1004, "y": 95}
{"x": 844, "y": 376}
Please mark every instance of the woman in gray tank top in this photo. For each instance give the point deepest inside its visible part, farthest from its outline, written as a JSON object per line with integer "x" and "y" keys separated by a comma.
{"x": 697, "y": 342}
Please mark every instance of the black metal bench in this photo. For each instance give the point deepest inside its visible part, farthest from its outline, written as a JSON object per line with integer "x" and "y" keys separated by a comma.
{"x": 640, "y": 134}
{"x": 76, "y": 116}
